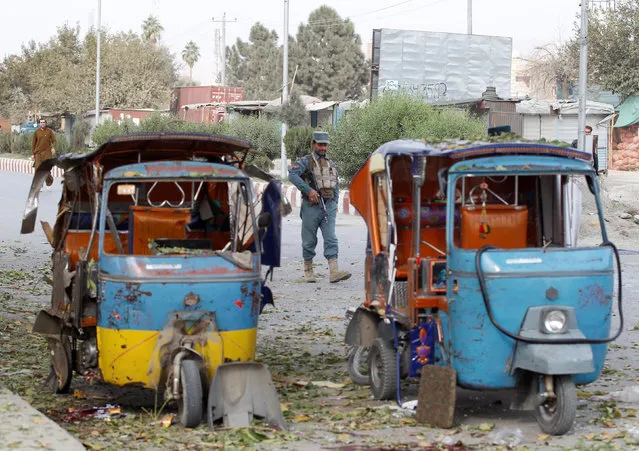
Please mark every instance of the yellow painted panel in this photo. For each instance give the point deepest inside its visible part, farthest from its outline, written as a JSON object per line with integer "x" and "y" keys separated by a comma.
{"x": 133, "y": 356}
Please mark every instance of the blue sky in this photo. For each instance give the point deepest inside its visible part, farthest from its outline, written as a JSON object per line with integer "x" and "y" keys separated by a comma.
{"x": 529, "y": 23}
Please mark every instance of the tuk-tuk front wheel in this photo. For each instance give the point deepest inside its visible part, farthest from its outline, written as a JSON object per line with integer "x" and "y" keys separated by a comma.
{"x": 556, "y": 415}
{"x": 190, "y": 400}
{"x": 383, "y": 367}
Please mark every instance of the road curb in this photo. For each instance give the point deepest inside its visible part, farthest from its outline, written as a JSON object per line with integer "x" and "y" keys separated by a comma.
{"x": 24, "y": 427}
{"x": 293, "y": 195}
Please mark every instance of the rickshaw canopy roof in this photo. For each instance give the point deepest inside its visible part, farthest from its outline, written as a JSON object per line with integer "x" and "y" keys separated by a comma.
{"x": 127, "y": 149}
{"x": 472, "y": 149}
{"x": 175, "y": 170}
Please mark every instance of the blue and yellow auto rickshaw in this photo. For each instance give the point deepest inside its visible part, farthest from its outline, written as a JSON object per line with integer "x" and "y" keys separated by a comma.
{"x": 157, "y": 272}
{"x": 475, "y": 277}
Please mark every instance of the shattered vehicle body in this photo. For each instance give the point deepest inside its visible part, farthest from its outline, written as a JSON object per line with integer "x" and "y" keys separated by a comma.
{"x": 474, "y": 276}
{"x": 159, "y": 244}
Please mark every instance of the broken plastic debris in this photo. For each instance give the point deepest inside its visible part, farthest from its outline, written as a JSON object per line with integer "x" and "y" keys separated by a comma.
{"x": 104, "y": 413}
{"x": 508, "y": 437}
{"x": 167, "y": 420}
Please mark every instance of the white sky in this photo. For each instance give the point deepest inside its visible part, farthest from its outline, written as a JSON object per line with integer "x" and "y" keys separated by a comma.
{"x": 529, "y": 23}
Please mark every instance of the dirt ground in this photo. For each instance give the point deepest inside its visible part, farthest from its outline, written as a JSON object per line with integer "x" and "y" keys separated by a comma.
{"x": 301, "y": 340}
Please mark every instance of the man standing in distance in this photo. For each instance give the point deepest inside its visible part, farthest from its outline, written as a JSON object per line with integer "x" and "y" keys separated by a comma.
{"x": 43, "y": 147}
{"x": 316, "y": 178}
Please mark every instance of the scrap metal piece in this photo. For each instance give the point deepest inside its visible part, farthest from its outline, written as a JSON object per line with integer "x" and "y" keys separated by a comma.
{"x": 241, "y": 391}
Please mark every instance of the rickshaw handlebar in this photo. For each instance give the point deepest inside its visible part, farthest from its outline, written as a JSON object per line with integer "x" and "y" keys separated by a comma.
{"x": 557, "y": 341}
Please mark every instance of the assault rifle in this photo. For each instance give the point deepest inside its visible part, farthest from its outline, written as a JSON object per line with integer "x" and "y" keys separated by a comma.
{"x": 315, "y": 186}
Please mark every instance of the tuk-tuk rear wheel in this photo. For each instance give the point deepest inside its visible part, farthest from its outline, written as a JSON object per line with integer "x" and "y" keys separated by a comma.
{"x": 555, "y": 416}
{"x": 359, "y": 365}
{"x": 190, "y": 401}
{"x": 383, "y": 368}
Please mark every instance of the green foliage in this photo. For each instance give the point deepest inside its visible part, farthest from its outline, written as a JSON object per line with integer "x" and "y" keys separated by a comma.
{"x": 190, "y": 55}
{"x": 264, "y": 134}
{"x": 20, "y": 145}
{"x": 59, "y": 76}
{"x": 79, "y": 137}
{"x": 391, "y": 117}
{"x": 330, "y": 61}
{"x": 298, "y": 142}
{"x": 256, "y": 65}
{"x": 613, "y": 62}
{"x": 293, "y": 112}
{"x": 152, "y": 30}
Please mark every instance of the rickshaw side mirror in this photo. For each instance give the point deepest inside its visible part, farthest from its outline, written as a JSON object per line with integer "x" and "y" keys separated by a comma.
{"x": 264, "y": 220}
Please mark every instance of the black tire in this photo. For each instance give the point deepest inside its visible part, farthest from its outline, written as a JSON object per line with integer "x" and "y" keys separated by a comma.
{"x": 383, "y": 369}
{"x": 190, "y": 401}
{"x": 556, "y": 416}
{"x": 61, "y": 369}
{"x": 358, "y": 365}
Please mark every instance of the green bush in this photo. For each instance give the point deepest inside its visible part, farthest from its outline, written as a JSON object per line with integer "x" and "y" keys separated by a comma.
{"x": 79, "y": 136}
{"x": 298, "y": 142}
{"x": 263, "y": 133}
{"x": 5, "y": 142}
{"x": 362, "y": 130}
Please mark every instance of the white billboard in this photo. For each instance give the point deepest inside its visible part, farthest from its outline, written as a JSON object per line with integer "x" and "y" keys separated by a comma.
{"x": 440, "y": 67}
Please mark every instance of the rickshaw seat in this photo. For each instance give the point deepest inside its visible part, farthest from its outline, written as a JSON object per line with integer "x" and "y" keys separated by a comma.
{"x": 507, "y": 224}
{"x": 149, "y": 223}
{"x": 77, "y": 240}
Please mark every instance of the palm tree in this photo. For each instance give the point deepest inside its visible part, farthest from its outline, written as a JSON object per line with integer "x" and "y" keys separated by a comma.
{"x": 190, "y": 55}
{"x": 151, "y": 29}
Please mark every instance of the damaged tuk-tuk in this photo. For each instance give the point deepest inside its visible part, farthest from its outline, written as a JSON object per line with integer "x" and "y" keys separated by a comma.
{"x": 474, "y": 276}
{"x": 159, "y": 244}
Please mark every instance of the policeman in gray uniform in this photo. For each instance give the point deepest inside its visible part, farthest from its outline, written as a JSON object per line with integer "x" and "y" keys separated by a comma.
{"x": 316, "y": 178}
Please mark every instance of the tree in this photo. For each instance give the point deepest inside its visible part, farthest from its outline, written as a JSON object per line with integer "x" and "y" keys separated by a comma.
{"x": 151, "y": 30}
{"x": 190, "y": 55}
{"x": 59, "y": 76}
{"x": 256, "y": 64}
{"x": 613, "y": 60}
{"x": 293, "y": 112}
{"x": 552, "y": 66}
{"x": 328, "y": 53}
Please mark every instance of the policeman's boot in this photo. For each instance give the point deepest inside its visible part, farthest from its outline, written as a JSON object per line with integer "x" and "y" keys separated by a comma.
{"x": 309, "y": 275}
{"x": 337, "y": 274}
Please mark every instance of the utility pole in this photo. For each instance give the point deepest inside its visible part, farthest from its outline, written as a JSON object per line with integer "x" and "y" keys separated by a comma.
{"x": 223, "y": 21}
{"x": 583, "y": 75}
{"x": 97, "y": 70}
{"x": 283, "y": 160}
{"x": 469, "y": 17}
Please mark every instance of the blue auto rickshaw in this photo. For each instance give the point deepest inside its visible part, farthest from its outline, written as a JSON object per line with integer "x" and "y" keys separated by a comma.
{"x": 475, "y": 276}
{"x": 159, "y": 245}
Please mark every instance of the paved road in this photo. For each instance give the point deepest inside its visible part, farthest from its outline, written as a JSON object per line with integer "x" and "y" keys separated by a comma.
{"x": 320, "y": 304}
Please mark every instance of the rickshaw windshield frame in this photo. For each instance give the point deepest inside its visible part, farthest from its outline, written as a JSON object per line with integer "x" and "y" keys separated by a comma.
{"x": 244, "y": 192}
{"x": 523, "y": 167}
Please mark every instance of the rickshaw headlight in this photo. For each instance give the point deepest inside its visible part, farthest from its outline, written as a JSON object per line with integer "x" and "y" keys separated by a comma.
{"x": 555, "y": 322}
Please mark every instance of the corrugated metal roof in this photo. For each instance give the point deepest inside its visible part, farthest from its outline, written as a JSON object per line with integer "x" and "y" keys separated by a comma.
{"x": 563, "y": 107}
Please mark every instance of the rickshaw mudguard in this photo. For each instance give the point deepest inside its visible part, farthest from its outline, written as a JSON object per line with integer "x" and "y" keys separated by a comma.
{"x": 554, "y": 359}
{"x": 240, "y": 391}
{"x": 362, "y": 328}
{"x": 47, "y": 324}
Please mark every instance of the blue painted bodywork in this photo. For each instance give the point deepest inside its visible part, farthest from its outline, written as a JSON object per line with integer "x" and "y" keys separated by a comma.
{"x": 139, "y": 292}
{"x": 517, "y": 279}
